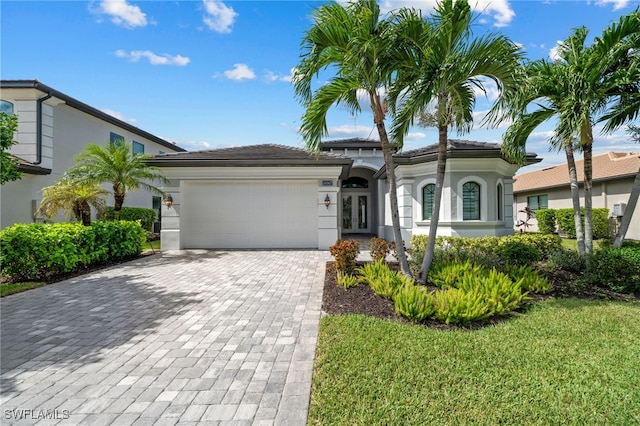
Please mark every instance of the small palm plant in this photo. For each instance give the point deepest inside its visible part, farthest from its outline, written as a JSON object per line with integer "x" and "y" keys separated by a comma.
{"x": 73, "y": 198}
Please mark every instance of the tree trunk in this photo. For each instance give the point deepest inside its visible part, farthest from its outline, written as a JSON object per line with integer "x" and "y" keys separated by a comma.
{"x": 587, "y": 147}
{"x": 117, "y": 206}
{"x": 628, "y": 213}
{"x": 575, "y": 196}
{"x": 437, "y": 197}
{"x": 85, "y": 212}
{"x": 391, "y": 177}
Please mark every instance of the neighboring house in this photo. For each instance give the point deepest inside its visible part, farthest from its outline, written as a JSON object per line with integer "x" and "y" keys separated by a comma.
{"x": 272, "y": 196}
{"x": 52, "y": 129}
{"x": 613, "y": 175}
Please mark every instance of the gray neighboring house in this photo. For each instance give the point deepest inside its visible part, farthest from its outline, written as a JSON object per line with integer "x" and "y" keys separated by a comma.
{"x": 52, "y": 129}
{"x": 273, "y": 196}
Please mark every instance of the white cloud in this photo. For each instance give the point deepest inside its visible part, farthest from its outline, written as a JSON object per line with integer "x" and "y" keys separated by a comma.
{"x": 219, "y": 17}
{"x": 164, "y": 59}
{"x": 554, "y": 52}
{"x": 123, "y": 13}
{"x": 240, "y": 72}
{"x": 271, "y": 76}
{"x": 617, "y": 4}
{"x": 414, "y": 136}
{"x": 195, "y": 145}
{"x": 499, "y": 10}
{"x": 119, "y": 115}
{"x": 491, "y": 89}
{"x": 352, "y": 131}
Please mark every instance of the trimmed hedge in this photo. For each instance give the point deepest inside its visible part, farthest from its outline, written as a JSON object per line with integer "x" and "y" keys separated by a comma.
{"x": 34, "y": 251}
{"x": 566, "y": 224}
{"x": 546, "y": 221}
{"x": 616, "y": 269}
{"x": 145, "y": 216}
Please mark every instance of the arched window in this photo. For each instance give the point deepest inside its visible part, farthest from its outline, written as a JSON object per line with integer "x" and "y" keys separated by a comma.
{"x": 500, "y": 206}
{"x": 471, "y": 201}
{"x": 6, "y": 107}
{"x": 428, "y": 192}
{"x": 355, "y": 182}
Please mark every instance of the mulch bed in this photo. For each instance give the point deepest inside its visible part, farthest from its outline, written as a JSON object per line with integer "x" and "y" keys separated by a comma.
{"x": 362, "y": 300}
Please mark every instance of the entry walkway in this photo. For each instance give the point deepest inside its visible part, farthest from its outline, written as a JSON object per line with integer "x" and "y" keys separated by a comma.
{"x": 189, "y": 337}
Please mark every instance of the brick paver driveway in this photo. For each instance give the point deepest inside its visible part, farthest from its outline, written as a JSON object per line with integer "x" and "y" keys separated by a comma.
{"x": 216, "y": 337}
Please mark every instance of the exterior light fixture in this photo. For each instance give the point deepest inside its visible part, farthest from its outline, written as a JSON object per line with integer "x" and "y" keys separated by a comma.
{"x": 168, "y": 200}
{"x": 327, "y": 201}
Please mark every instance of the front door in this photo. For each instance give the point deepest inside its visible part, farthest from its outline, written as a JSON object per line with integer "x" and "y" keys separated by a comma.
{"x": 355, "y": 213}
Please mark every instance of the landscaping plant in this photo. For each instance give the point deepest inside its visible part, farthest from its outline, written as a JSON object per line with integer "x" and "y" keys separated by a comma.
{"x": 345, "y": 252}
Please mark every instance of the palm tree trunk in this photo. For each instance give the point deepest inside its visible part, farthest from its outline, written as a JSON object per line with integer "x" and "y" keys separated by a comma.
{"x": 85, "y": 211}
{"x": 393, "y": 193}
{"x": 575, "y": 196}
{"x": 631, "y": 207}
{"x": 118, "y": 199}
{"x": 587, "y": 146}
{"x": 437, "y": 197}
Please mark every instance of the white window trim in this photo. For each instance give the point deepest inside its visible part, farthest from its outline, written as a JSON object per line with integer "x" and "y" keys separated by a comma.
{"x": 483, "y": 198}
{"x": 418, "y": 209}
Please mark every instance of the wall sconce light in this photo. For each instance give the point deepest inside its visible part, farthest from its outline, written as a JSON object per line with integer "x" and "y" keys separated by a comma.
{"x": 327, "y": 201}
{"x": 168, "y": 201}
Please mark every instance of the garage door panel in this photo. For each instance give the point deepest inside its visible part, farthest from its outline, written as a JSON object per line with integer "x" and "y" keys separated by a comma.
{"x": 250, "y": 214}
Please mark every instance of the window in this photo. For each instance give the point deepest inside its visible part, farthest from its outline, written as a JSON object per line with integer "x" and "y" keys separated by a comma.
{"x": 116, "y": 139}
{"x": 156, "y": 204}
{"x": 137, "y": 148}
{"x": 500, "y": 206}
{"x": 6, "y": 107}
{"x": 471, "y": 201}
{"x": 537, "y": 202}
{"x": 355, "y": 183}
{"x": 161, "y": 152}
{"x": 428, "y": 192}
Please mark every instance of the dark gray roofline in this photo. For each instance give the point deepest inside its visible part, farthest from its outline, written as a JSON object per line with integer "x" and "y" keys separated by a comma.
{"x": 32, "y": 169}
{"x": 353, "y": 143}
{"x": 81, "y": 106}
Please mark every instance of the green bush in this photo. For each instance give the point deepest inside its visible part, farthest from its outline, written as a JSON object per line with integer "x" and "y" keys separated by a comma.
{"x": 565, "y": 260}
{"x": 414, "y": 302}
{"x": 502, "y": 295}
{"x": 546, "y": 221}
{"x": 145, "y": 216}
{"x": 617, "y": 269}
{"x": 345, "y": 253}
{"x": 346, "y": 281}
{"x": 445, "y": 275}
{"x": 529, "y": 278}
{"x": 517, "y": 252}
{"x": 35, "y": 251}
{"x": 456, "y": 306}
{"x": 382, "y": 280}
{"x": 566, "y": 223}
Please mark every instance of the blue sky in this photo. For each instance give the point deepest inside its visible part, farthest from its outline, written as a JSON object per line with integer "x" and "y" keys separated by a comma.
{"x": 212, "y": 74}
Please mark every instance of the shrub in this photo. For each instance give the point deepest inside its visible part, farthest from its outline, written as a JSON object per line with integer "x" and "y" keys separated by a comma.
{"x": 345, "y": 253}
{"x": 566, "y": 223}
{"x": 617, "y": 269}
{"x": 414, "y": 303}
{"x": 565, "y": 260}
{"x": 34, "y": 251}
{"x": 546, "y": 221}
{"x": 517, "y": 252}
{"x": 529, "y": 278}
{"x": 372, "y": 271}
{"x": 379, "y": 248}
{"x": 145, "y": 216}
{"x": 346, "y": 281}
{"x": 382, "y": 280}
{"x": 547, "y": 245}
{"x": 445, "y": 275}
{"x": 501, "y": 293}
{"x": 456, "y": 306}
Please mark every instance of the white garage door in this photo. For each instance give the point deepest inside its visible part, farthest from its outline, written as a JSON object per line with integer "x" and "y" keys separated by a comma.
{"x": 250, "y": 214}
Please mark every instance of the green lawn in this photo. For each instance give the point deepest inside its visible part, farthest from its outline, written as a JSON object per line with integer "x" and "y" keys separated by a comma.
{"x": 565, "y": 361}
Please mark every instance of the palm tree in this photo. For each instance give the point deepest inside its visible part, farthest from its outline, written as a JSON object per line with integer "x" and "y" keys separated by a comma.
{"x": 74, "y": 199}
{"x": 544, "y": 80}
{"x": 440, "y": 63}
{"x": 116, "y": 164}
{"x": 353, "y": 41}
{"x": 600, "y": 83}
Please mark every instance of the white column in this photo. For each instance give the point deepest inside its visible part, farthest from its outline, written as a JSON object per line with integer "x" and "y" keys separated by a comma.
{"x": 327, "y": 216}
{"x": 170, "y": 232}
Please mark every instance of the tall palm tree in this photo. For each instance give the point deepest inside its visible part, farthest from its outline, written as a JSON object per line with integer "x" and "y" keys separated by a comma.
{"x": 116, "y": 164}
{"x": 600, "y": 84}
{"x": 439, "y": 64}
{"x": 73, "y": 198}
{"x": 352, "y": 40}
{"x": 545, "y": 80}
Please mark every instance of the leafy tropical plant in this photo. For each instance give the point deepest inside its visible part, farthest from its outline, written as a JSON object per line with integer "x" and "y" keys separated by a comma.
{"x": 345, "y": 252}
{"x": 440, "y": 64}
{"x": 8, "y": 164}
{"x": 117, "y": 165}
{"x": 414, "y": 302}
{"x": 353, "y": 41}
{"x": 73, "y": 198}
{"x": 346, "y": 280}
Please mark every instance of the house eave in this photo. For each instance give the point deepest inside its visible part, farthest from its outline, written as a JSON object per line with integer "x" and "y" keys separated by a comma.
{"x": 32, "y": 169}
{"x": 567, "y": 184}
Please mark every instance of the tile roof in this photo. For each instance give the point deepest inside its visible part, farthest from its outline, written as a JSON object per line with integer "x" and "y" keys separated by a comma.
{"x": 29, "y": 167}
{"x": 353, "y": 143}
{"x": 607, "y": 166}
{"x": 256, "y": 155}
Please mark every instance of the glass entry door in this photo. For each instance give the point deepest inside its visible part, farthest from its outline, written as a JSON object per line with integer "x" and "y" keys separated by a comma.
{"x": 355, "y": 213}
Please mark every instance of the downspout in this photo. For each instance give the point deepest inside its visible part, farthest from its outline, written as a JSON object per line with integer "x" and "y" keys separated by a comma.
{"x": 39, "y": 127}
